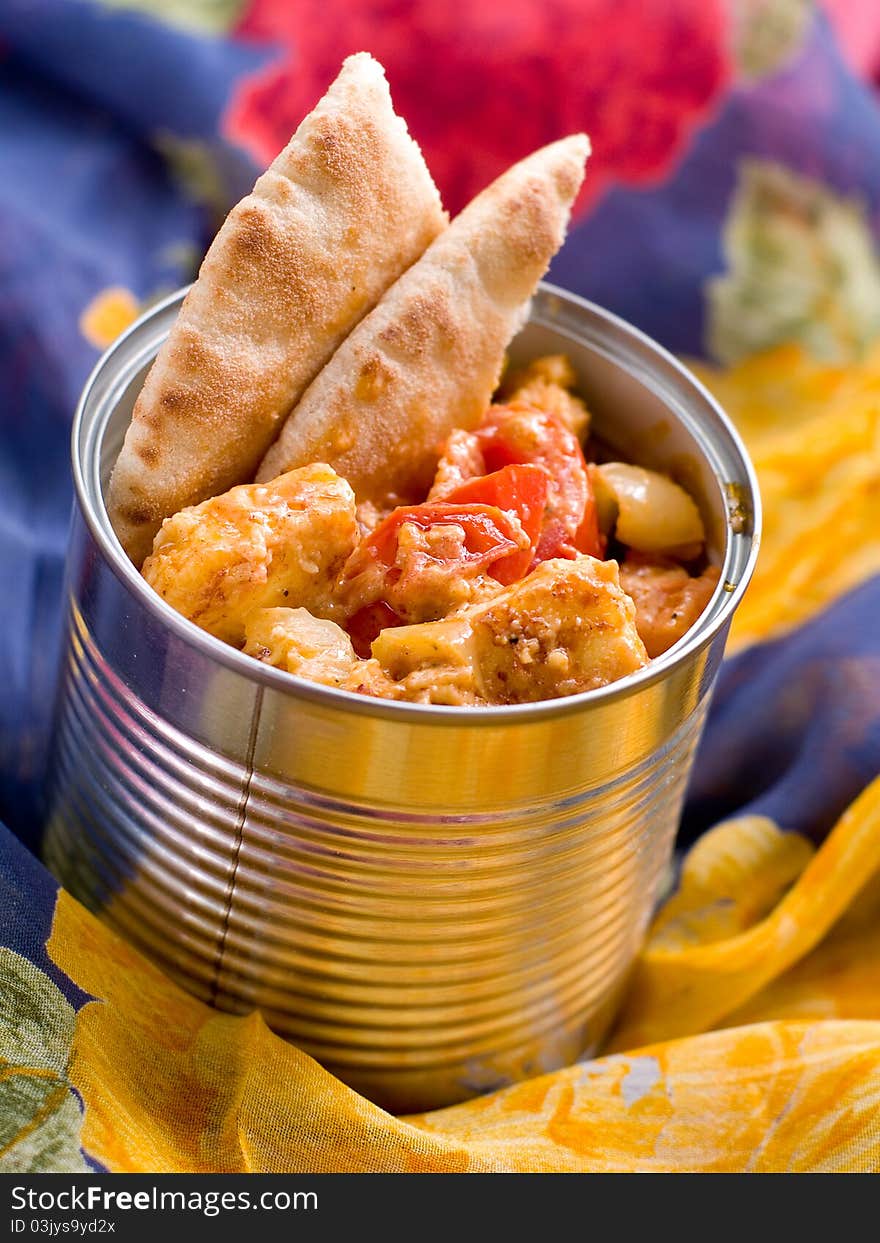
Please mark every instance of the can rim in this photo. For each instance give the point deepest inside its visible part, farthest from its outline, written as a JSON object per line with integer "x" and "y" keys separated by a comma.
{"x": 632, "y": 345}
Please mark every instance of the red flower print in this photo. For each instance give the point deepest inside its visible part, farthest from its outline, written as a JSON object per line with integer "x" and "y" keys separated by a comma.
{"x": 483, "y": 85}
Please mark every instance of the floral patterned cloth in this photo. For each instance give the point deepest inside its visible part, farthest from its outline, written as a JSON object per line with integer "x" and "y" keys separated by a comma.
{"x": 731, "y": 210}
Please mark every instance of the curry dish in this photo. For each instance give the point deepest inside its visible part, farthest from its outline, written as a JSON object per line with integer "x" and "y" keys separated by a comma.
{"x": 531, "y": 569}
{"x": 328, "y": 467}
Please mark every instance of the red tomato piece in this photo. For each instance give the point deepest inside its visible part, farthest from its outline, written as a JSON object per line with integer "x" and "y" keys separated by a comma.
{"x": 479, "y": 540}
{"x": 490, "y": 533}
{"x": 521, "y": 489}
{"x": 367, "y": 623}
{"x": 521, "y": 433}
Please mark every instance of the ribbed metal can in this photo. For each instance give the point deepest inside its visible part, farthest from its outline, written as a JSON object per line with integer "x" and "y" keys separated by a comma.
{"x": 431, "y": 901}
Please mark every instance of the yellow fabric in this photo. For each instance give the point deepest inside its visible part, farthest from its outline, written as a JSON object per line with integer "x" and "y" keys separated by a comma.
{"x": 776, "y": 942}
{"x": 813, "y": 432}
{"x": 107, "y": 315}
{"x": 750, "y": 1035}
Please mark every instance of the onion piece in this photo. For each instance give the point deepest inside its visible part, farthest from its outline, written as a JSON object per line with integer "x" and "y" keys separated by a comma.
{"x": 653, "y": 513}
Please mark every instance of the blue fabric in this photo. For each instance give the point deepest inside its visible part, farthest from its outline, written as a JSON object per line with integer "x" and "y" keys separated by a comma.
{"x": 88, "y": 203}
{"x": 794, "y": 730}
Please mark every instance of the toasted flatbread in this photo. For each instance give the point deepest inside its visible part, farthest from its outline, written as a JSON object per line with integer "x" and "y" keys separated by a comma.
{"x": 429, "y": 357}
{"x": 345, "y": 209}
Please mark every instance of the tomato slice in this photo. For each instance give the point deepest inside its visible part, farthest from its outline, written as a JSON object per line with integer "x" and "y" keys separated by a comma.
{"x": 520, "y": 488}
{"x": 385, "y": 582}
{"x": 521, "y": 433}
{"x": 490, "y": 534}
{"x": 367, "y": 623}
{"x": 588, "y": 537}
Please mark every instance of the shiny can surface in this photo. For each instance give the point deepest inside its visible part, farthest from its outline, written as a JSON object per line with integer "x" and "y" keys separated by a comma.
{"x": 431, "y": 901}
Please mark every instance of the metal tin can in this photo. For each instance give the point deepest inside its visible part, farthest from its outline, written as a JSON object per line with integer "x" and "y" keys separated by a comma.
{"x": 431, "y": 901}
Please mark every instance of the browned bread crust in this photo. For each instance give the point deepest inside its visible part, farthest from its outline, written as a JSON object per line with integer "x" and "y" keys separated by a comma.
{"x": 429, "y": 357}
{"x": 345, "y": 209}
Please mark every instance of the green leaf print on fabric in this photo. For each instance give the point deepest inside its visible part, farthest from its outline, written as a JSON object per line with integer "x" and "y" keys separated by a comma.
{"x": 40, "y": 1118}
{"x": 194, "y": 167}
{"x": 802, "y": 266}
{"x": 203, "y": 16}
{"x": 767, "y": 34}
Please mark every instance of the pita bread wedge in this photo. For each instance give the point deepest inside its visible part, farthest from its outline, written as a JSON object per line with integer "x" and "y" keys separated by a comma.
{"x": 340, "y": 214}
{"x": 429, "y": 357}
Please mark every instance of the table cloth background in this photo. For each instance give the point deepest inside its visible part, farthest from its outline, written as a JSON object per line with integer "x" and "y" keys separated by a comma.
{"x": 732, "y": 210}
